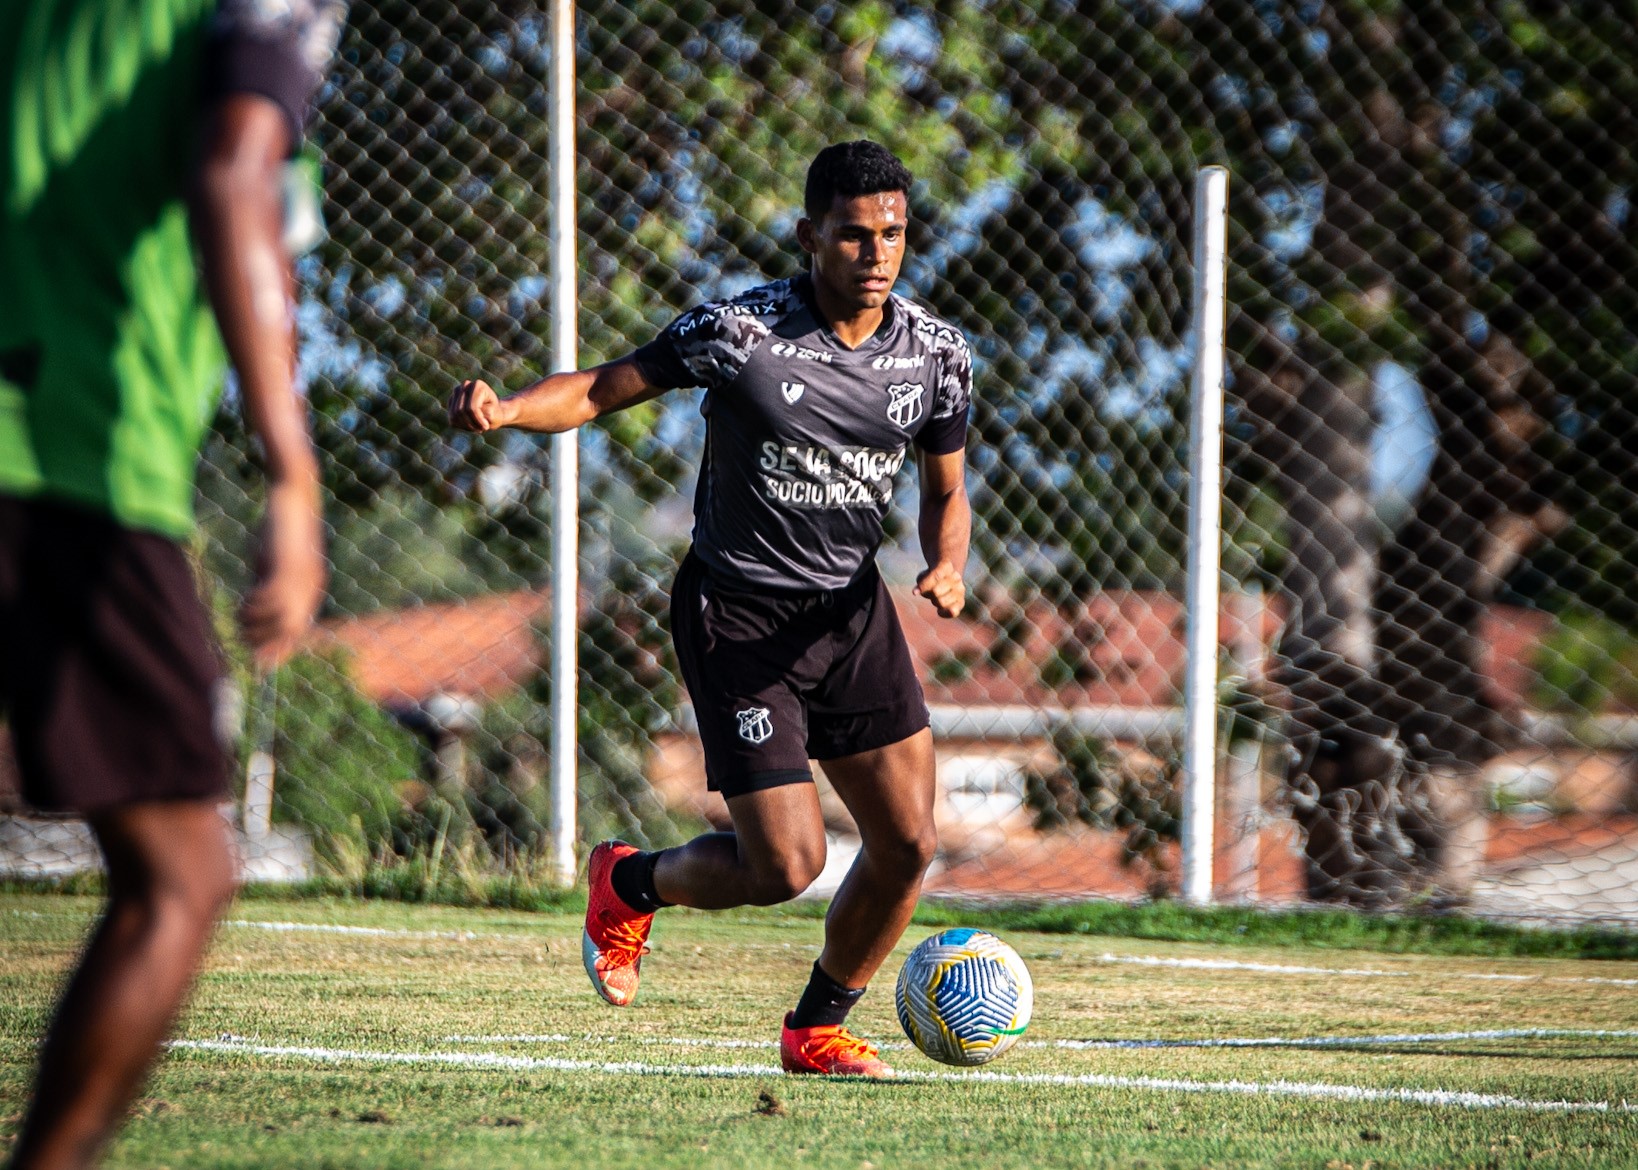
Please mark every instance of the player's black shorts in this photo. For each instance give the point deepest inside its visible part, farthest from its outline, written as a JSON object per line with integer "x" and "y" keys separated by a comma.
{"x": 108, "y": 669}
{"x": 780, "y": 678}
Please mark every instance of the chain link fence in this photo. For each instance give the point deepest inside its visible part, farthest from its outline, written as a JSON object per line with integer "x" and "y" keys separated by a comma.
{"x": 1430, "y": 640}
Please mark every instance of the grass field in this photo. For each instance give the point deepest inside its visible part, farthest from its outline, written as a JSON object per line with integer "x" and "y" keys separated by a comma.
{"x": 328, "y": 1033}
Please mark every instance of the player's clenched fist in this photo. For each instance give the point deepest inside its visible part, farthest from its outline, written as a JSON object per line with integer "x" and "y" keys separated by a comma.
{"x": 942, "y": 585}
{"x": 476, "y": 407}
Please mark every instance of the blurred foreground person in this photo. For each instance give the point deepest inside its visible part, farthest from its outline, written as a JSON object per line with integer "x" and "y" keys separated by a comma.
{"x": 120, "y": 126}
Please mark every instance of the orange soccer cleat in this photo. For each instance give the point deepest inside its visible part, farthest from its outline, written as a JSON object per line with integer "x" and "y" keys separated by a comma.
{"x": 829, "y": 1051}
{"x": 616, "y": 936}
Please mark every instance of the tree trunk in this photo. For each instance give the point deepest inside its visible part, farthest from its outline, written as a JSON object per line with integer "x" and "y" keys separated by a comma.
{"x": 1390, "y": 721}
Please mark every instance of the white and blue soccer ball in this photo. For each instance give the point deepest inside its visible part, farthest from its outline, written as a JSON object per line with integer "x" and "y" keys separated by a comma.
{"x": 964, "y": 997}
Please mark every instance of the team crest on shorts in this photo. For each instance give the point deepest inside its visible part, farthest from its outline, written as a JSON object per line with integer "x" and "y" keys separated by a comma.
{"x": 755, "y": 726}
{"x": 904, "y": 402}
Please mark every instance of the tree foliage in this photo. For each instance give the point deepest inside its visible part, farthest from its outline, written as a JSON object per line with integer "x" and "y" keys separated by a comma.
{"x": 1445, "y": 187}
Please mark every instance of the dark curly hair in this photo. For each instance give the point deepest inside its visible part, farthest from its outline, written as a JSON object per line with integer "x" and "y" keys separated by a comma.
{"x": 851, "y": 169}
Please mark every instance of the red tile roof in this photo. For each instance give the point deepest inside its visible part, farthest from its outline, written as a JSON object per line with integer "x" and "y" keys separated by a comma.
{"x": 480, "y": 648}
{"x": 1126, "y": 647}
{"x": 1086, "y": 862}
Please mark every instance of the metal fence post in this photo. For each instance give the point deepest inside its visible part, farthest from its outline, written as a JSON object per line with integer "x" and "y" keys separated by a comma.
{"x": 1205, "y": 530}
{"x": 565, "y": 449}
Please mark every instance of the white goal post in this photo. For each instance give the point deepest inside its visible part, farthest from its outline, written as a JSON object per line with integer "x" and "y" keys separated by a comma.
{"x": 565, "y": 667}
{"x": 1205, "y": 533}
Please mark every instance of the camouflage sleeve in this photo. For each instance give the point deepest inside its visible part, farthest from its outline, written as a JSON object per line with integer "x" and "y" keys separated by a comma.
{"x": 946, "y": 428}
{"x": 278, "y": 49}
{"x": 707, "y": 346}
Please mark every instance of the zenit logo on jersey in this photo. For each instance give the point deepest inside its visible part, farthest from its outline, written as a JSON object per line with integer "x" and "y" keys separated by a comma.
{"x": 800, "y": 353}
{"x": 904, "y": 402}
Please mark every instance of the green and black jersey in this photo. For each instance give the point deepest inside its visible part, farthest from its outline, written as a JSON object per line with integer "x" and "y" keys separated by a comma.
{"x": 110, "y": 363}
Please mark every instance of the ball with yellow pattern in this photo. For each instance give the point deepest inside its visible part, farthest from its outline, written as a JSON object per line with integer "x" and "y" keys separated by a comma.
{"x": 964, "y": 997}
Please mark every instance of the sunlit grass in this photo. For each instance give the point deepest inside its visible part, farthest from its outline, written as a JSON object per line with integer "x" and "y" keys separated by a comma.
{"x": 456, "y": 981}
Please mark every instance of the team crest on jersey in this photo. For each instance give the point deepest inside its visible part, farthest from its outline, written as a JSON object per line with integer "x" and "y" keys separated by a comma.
{"x": 792, "y": 390}
{"x": 755, "y": 726}
{"x": 904, "y": 402}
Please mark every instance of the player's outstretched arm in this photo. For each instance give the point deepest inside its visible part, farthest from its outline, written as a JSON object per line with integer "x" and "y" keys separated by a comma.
{"x": 238, "y": 217}
{"x": 558, "y": 402}
{"x": 945, "y": 526}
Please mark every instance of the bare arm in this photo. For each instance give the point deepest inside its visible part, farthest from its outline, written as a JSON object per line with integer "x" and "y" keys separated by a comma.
{"x": 238, "y": 217}
{"x": 558, "y": 402}
{"x": 945, "y": 526}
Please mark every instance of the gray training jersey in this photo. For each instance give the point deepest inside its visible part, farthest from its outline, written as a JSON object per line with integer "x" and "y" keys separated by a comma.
{"x": 804, "y": 437}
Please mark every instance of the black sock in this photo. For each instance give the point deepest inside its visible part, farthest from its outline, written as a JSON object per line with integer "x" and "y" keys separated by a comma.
{"x": 824, "y": 1002}
{"x": 633, "y": 882}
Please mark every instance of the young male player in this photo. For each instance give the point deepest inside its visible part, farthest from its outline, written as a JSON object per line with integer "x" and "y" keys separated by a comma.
{"x": 109, "y": 369}
{"x": 787, "y": 639}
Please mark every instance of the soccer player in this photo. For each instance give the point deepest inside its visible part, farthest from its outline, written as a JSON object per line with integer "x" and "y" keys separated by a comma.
{"x": 110, "y": 364}
{"x": 787, "y": 638}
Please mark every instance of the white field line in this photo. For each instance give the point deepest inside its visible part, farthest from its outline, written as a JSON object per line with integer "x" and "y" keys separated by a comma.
{"x": 1131, "y": 960}
{"x": 1351, "y": 972}
{"x": 310, "y": 928}
{"x": 1343, "y": 1041}
{"x": 448, "y": 935}
{"x": 662, "y": 1041}
{"x": 1392, "y": 1038}
{"x": 367, "y": 931}
{"x": 483, "y": 1060}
